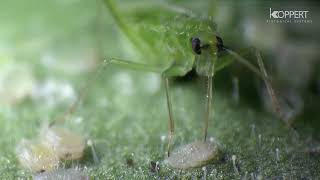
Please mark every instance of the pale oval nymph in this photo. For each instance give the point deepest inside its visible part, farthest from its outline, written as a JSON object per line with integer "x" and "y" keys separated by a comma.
{"x": 66, "y": 144}
{"x": 36, "y": 157}
{"x": 193, "y": 155}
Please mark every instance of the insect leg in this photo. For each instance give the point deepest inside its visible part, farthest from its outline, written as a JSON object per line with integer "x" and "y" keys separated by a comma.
{"x": 261, "y": 73}
{"x": 171, "y": 123}
{"x": 274, "y": 99}
{"x": 208, "y": 106}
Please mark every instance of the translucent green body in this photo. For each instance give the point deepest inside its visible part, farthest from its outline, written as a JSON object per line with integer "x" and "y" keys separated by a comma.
{"x": 172, "y": 41}
{"x": 163, "y": 33}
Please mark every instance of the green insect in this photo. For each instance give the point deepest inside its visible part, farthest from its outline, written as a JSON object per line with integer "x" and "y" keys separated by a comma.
{"x": 173, "y": 41}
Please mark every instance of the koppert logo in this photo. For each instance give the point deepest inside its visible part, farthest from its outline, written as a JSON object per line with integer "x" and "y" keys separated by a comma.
{"x": 293, "y": 14}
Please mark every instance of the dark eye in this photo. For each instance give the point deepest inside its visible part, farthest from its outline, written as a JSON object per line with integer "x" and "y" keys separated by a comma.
{"x": 196, "y": 45}
{"x": 220, "y": 45}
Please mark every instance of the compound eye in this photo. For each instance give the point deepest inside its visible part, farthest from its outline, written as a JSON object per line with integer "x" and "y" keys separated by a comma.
{"x": 220, "y": 45}
{"x": 196, "y": 45}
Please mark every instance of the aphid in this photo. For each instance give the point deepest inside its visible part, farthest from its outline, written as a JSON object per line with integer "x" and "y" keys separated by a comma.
{"x": 173, "y": 41}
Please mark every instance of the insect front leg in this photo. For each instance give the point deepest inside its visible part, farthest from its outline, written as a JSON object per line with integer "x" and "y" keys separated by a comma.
{"x": 171, "y": 122}
{"x": 173, "y": 71}
{"x": 208, "y": 106}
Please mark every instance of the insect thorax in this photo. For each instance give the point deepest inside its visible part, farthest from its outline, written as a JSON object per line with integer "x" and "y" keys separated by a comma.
{"x": 165, "y": 35}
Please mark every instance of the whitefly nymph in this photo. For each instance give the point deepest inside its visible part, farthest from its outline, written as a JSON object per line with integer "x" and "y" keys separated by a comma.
{"x": 193, "y": 155}
{"x": 66, "y": 144}
{"x": 54, "y": 145}
{"x": 36, "y": 157}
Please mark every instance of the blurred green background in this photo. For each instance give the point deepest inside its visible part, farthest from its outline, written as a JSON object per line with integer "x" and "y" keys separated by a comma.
{"x": 50, "y": 49}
